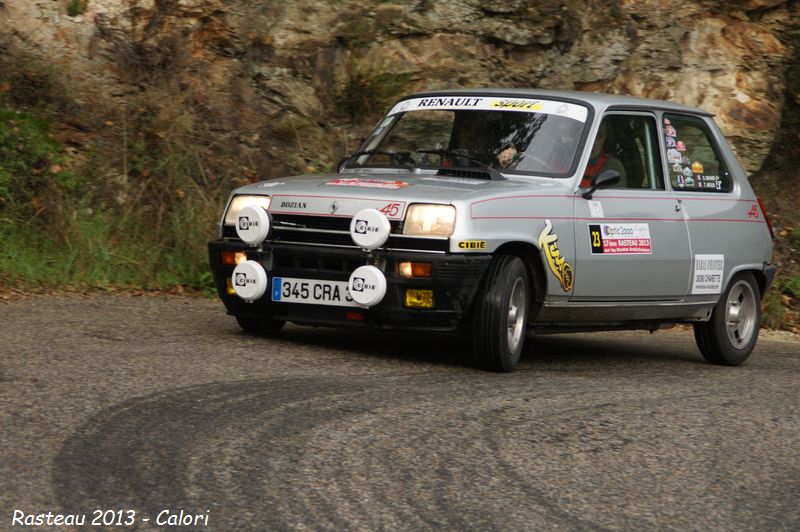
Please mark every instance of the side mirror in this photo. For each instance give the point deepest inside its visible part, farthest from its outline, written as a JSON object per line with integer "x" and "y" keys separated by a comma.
{"x": 602, "y": 180}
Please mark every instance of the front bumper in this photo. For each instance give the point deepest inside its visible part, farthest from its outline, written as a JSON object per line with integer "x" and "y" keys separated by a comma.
{"x": 454, "y": 281}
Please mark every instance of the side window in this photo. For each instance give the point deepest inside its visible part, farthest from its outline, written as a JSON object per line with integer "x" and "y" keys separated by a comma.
{"x": 694, "y": 162}
{"x": 629, "y": 145}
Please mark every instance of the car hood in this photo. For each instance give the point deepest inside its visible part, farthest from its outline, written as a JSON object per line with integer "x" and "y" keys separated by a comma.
{"x": 416, "y": 187}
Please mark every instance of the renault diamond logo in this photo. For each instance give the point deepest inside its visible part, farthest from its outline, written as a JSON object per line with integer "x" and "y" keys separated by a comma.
{"x": 334, "y": 207}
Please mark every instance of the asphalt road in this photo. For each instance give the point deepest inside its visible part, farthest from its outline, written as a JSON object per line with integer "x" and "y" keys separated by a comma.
{"x": 151, "y": 404}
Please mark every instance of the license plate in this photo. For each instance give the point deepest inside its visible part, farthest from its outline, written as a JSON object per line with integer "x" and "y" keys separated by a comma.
{"x": 311, "y": 292}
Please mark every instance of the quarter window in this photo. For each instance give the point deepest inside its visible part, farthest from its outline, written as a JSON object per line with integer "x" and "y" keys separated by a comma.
{"x": 695, "y": 164}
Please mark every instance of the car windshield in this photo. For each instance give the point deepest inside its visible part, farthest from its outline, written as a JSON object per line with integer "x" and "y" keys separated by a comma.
{"x": 524, "y": 136}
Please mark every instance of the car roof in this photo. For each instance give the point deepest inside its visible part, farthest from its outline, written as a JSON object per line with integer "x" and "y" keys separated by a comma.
{"x": 598, "y": 100}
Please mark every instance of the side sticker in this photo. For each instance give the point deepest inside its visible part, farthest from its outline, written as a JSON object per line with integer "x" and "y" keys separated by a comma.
{"x": 472, "y": 244}
{"x": 548, "y": 243}
{"x": 707, "y": 275}
{"x": 620, "y": 239}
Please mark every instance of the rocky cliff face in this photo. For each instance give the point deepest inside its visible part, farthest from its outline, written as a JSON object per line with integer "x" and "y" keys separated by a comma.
{"x": 289, "y": 85}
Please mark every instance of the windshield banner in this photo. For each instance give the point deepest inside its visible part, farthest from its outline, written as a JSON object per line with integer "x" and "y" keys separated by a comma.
{"x": 493, "y": 103}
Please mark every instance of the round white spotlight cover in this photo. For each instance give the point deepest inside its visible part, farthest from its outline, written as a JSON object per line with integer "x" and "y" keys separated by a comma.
{"x": 253, "y": 224}
{"x": 367, "y": 286}
{"x": 249, "y": 280}
{"x": 370, "y": 229}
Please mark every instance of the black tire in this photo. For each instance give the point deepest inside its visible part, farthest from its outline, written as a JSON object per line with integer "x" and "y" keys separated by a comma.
{"x": 260, "y": 326}
{"x": 729, "y": 336}
{"x": 495, "y": 343}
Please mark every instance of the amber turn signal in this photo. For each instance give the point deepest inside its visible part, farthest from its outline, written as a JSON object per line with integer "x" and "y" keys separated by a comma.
{"x": 414, "y": 269}
{"x": 229, "y": 287}
{"x": 232, "y": 258}
{"x": 419, "y": 298}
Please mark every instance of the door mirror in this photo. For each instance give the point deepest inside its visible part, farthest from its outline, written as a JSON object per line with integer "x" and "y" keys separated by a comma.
{"x": 604, "y": 179}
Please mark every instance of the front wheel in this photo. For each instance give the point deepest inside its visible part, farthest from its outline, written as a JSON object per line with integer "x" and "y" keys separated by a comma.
{"x": 730, "y": 335}
{"x": 500, "y": 316}
{"x": 260, "y": 326}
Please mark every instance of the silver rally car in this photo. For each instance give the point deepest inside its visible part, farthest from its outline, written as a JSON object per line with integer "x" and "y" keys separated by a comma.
{"x": 495, "y": 213}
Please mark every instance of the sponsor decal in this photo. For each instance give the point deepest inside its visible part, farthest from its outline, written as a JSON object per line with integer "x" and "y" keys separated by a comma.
{"x": 270, "y": 184}
{"x": 707, "y": 275}
{"x": 548, "y": 243}
{"x": 620, "y": 239}
{"x": 530, "y": 105}
{"x": 596, "y": 209}
{"x": 368, "y": 183}
{"x": 753, "y": 212}
{"x": 697, "y": 168}
{"x": 245, "y": 223}
{"x": 681, "y": 181}
{"x": 689, "y": 181}
{"x": 669, "y": 131}
{"x": 449, "y": 102}
{"x": 677, "y": 168}
{"x": 472, "y": 244}
{"x": 242, "y": 280}
{"x": 362, "y": 227}
{"x": 294, "y": 205}
{"x": 673, "y": 156}
{"x": 670, "y": 142}
{"x": 680, "y": 146}
{"x": 687, "y": 172}
{"x": 685, "y": 160}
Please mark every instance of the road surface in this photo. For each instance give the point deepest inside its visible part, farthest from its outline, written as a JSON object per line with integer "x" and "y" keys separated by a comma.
{"x": 154, "y": 404}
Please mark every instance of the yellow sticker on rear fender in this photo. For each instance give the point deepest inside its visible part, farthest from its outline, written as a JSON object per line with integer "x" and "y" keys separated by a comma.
{"x": 548, "y": 243}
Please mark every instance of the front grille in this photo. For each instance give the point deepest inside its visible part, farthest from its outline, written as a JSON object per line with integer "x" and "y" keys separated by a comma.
{"x": 316, "y": 264}
{"x": 459, "y": 270}
{"x": 326, "y": 223}
{"x": 331, "y": 231}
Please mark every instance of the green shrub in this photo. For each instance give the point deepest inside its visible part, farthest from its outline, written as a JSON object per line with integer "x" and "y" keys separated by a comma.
{"x": 791, "y": 286}
{"x": 77, "y": 7}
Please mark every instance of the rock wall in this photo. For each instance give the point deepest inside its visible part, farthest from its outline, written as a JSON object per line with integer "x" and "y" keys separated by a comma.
{"x": 296, "y": 84}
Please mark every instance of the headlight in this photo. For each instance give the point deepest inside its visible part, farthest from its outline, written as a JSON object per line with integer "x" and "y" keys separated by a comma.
{"x": 241, "y": 201}
{"x": 430, "y": 220}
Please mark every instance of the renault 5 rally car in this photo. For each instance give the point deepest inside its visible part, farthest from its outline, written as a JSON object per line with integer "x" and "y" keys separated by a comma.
{"x": 496, "y": 213}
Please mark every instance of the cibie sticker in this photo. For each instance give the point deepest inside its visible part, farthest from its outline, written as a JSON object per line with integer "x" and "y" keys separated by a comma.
{"x": 707, "y": 275}
{"x": 548, "y": 243}
{"x": 472, "y": 244}
{"x": 368, "y": 183}
{"x": 620, "y": 239}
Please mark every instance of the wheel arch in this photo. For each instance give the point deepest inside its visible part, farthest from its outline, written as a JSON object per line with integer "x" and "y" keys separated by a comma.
{"x": 756, "y": 270}
{"x": 532, "y": 258}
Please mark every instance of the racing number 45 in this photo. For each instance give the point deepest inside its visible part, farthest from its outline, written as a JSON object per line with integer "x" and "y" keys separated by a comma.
{"x": 391, "y": 209}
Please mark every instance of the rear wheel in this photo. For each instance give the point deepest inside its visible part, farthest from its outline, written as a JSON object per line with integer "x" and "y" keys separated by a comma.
{"x": 500, "y": 316}
{"x": 729, "y": 336}
{"x": 260, "y": 326}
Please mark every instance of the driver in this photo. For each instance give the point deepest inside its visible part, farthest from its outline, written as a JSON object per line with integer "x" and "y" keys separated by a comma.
{"x": 600, "y": 160}
{"x": 474, "y": 140}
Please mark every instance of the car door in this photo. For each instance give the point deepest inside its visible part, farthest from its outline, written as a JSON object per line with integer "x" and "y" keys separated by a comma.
{"x": 632, "y": 241}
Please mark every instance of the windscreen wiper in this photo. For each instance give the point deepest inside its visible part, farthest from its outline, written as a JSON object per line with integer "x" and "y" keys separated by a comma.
{"x": 493, "y": 173}
{"x": 402, "y": 159}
